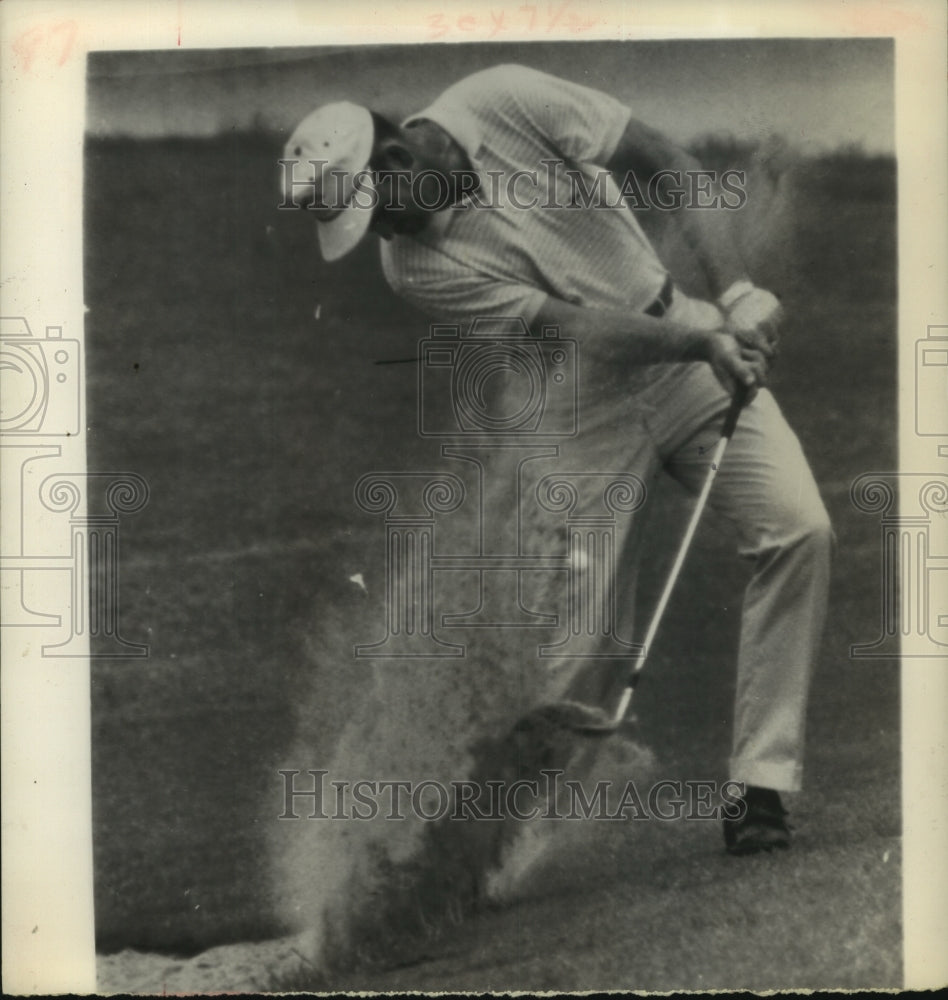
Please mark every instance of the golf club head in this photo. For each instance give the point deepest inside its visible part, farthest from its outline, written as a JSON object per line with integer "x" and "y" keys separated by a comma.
{"x": 596, "y": 722}
{"x": 572, "y": 716}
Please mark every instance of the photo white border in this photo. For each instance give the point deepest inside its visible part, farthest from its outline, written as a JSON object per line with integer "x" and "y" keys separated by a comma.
{"x": 48, "y": 936}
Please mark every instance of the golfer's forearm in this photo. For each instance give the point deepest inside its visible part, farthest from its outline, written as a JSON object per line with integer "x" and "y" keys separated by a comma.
{"x": 625, "y": 338}
{"x": 709, "y": 232}
{"x": 647, "y": 153}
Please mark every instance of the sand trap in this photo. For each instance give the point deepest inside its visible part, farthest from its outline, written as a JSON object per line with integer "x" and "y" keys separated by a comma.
{"x": 239, "y": 968}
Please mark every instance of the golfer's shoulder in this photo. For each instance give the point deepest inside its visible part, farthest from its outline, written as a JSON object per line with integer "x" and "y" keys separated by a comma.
{"x": 505, "y": 84}
{"x": 521, "y": 103}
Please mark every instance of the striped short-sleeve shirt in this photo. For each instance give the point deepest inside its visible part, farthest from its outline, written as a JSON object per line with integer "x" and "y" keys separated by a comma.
{"x": 559, "y": 228}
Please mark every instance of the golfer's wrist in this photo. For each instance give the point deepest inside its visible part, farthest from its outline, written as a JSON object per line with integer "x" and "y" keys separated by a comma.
{"x": 696, "y": 345}
{"x": 733, "y": 293}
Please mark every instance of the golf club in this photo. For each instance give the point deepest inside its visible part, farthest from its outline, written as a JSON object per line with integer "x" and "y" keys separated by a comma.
{"x": 595, "y": 721}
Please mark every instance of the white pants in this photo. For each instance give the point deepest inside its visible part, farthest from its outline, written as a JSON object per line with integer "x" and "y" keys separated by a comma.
{"x": 670, "y": 415}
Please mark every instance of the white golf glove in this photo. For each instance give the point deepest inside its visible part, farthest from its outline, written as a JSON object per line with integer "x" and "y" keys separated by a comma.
{"x": 749, "y": 308}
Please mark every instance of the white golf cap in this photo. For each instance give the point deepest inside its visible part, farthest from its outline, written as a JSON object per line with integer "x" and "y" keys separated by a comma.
{"x": 339, "y": 136}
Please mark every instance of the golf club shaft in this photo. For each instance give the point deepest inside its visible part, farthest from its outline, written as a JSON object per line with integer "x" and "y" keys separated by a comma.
{"x": 730, "y": 422}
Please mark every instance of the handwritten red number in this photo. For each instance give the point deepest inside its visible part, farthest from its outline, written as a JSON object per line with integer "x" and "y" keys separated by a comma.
{"x": 65, "y": 30}
{"x": 26, "y": 45}
{"x": 54, "y": 40}
{"x": 438, "y": 25}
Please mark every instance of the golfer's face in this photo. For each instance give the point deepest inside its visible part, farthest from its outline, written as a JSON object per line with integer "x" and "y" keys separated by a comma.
{"x": 389, "y": 224}
{"x": 398, "y": 165}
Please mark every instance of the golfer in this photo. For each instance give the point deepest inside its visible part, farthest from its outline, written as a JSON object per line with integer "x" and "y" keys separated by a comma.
{"x": 475, "y": 199}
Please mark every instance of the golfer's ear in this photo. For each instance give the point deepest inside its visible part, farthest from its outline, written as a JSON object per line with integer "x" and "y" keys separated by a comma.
{"x": 392, "y": 155}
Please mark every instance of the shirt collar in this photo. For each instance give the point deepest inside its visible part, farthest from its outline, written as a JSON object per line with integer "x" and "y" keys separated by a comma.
{"x": 462, "y": 128}
{"x": 465, "y": 131}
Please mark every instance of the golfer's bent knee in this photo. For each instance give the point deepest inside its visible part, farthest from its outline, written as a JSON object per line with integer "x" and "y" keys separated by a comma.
{"x": 804, "y": 528}
{"x": 810, "y": 527}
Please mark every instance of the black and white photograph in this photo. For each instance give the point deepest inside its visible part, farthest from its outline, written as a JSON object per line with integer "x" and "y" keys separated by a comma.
{"x": 483, "y": 529}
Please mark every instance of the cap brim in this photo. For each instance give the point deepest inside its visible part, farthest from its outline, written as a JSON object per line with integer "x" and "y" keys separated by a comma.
{"x": 339, "y": 235}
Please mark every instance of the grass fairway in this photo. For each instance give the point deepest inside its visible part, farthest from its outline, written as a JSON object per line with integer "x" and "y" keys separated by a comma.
{"x": 232, "y": 369}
